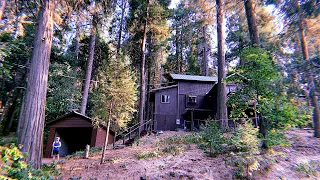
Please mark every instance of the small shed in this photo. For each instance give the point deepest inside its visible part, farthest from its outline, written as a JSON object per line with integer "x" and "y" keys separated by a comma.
{"x": 75, "y": 131}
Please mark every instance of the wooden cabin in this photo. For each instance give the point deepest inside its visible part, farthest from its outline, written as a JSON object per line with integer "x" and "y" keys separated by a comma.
{"x": 186, "y": 102}
{"x": 75, "y": 131}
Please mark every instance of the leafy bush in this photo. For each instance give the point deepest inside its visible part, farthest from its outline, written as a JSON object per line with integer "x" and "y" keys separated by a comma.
{"x": 16, "y": 168}
{"x": 246, "y": 144}
{"x": 276, "y": 138}
{"x": 214, "y": 139}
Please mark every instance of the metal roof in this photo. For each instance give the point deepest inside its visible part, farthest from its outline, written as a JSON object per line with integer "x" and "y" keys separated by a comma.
{"x": 162, "y": 88}
{"x": 194, "y": 78}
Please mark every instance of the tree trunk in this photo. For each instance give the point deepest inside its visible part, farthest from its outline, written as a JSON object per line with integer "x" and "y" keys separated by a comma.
{"x": 205, "y": 52}
{"x": 33, "y": 115}
{"x": 85, "y": 94}
{"x": 312, "y": 93}
{"x": 123, "y": 9}
{"x": 252, "y": 23}
{"x": 2, "y": 8}
{"x": 143, "y": 72}
{"x": 107, "y": 135}
{"x": 178, "y": 49}
{"x": 222, "y": 107}
{"x": 10, "y": 115}
{"x": 77, "y": 46}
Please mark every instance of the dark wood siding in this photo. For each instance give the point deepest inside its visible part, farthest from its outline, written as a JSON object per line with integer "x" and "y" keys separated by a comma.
{"x": 193, "y": 88}
{"x": 166, "y": 113}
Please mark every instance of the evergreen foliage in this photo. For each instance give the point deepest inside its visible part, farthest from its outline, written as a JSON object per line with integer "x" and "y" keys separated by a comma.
{"x": 115, "y": 93}
{"x": 214, "y": 138}
{"x": 245, "y": 159}
{"x": 259, "y": 80}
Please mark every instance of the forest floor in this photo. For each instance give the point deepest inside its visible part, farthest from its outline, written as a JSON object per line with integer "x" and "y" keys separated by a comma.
{"x": 300, "y": 160}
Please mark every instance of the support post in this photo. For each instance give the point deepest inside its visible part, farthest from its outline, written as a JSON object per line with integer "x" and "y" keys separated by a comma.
{"x": 130, "y": 133}
{"x": 114, "y": 139}
{"x": 192, "y": 125}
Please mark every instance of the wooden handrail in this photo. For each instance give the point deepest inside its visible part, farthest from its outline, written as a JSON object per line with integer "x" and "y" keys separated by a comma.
{"x": 131, "y": 130}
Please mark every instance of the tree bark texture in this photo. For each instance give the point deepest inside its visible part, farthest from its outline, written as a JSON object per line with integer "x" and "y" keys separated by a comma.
{"x": 252, "y": 23}
{"x": 2, "y": 7}
{"x": 123, "y": 10}
{"x": 86, "y": 88}
{"x": 312, "y": 92}
{"x": 205, "y": 52}
{"x": 222, "y": 107}
{"x": 33, "y": 115}
{"x": 143, "y": 72}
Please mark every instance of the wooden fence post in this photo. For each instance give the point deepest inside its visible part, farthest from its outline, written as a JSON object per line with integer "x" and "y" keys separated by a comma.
{"x": 87, "y": 151}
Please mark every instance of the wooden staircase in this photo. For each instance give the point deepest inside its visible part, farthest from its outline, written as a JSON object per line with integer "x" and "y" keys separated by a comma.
{"x": 130, "y": 134}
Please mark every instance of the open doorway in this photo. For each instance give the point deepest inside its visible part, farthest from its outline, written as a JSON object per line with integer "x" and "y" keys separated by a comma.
{"x": 73, "y": 139}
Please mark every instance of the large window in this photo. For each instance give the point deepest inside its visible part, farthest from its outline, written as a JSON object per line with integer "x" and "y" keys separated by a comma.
{"x": 192, "y": 99}
{"x": 165, "y": 98}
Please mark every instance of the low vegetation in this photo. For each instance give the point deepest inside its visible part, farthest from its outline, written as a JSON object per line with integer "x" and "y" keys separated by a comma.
{"x": 310, "y": 168}
{"x": 15, "y": 168}
{"x": 194, "y": 138}
{"x": 79, "y": 154}
{"x": 148, "y": 154}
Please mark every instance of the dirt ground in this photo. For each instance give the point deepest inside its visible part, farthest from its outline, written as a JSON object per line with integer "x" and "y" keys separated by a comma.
{"x": 192, "y": 163}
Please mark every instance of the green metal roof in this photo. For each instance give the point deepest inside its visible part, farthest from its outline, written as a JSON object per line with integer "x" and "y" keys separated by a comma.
{"x": 194, "y": 78}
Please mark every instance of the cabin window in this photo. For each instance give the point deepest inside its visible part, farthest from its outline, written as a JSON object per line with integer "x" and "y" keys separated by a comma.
{"x": 192, "y": 99}
{"x": 165, "y": 98}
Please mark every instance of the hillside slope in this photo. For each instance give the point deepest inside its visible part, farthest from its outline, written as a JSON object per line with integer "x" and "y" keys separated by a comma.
{"x": 298, "y": 161}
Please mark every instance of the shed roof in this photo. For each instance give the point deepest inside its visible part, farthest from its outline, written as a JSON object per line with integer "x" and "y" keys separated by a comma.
{"x": 194, "y": 78}
{"x": 68, "y": 114}
{"x": 78, "y": 114}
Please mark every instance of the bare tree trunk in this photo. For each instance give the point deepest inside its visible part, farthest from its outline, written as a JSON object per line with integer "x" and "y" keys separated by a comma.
{"x": 205, "y": 52}
{"x": 107, "y": 135}
{"x": 181, "y": 68}
{"x": 123, "y": 9}
{"x": 86, "y": 88}
{"x": 2, "y": 7}
{"x": 33, "y": 115}
{"x": 312, "y": 93}
{"x": 252, "y": 24}
{"x": 222, "y": 107}
{"x": 143, "y": 72}
{"x": 178, "y": 49}
{"x": 77, "y": 46}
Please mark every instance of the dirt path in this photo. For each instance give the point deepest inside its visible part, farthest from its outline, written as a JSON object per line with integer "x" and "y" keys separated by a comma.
{"x": 192, "y": 163}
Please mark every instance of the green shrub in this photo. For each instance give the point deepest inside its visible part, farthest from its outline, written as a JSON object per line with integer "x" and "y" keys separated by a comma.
{"x": 244, "y": 157}
{"x": 214, "y": 139}
{"x": 276, "y": 138}
{"x": 174, "y": 150}
{"x": 16, "y": 168}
